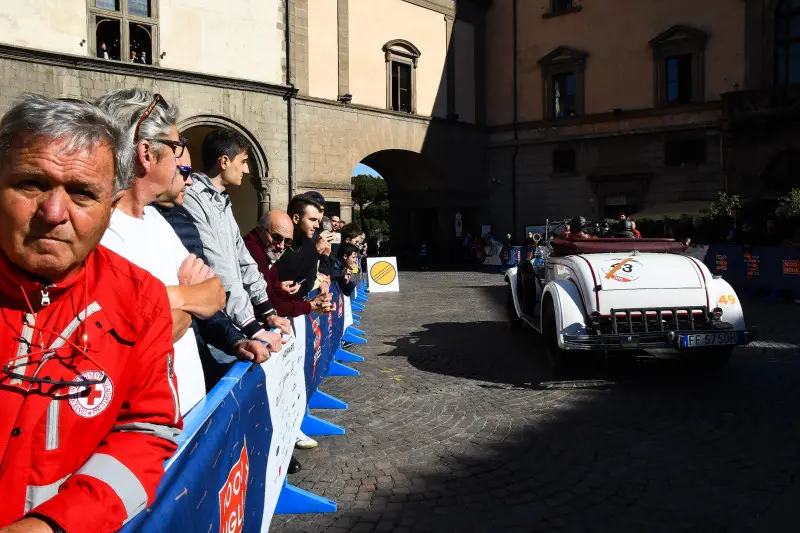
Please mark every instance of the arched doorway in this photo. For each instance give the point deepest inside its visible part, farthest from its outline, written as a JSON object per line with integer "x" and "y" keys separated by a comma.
{"x": 421, "y": 209}
{"x": 252, "y": 198}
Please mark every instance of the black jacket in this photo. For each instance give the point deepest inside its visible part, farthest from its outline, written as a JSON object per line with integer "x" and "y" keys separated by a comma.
{"x": 219, "y": 330}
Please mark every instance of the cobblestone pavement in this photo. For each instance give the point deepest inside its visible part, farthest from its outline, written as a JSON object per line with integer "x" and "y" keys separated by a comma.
{"x": 457, "y": 424}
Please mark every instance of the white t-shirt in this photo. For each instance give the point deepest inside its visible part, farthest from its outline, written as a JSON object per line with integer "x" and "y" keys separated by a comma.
{"x": 151, "y": 243}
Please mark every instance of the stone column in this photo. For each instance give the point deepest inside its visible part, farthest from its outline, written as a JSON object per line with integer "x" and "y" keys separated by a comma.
{"x": 451, "y": 67}
{"x": 343, "y": 32}
{"x": 262, "y": 187}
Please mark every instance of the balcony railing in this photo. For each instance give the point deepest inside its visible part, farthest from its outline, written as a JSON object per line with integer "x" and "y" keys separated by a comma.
{"x": 761, "y": 103}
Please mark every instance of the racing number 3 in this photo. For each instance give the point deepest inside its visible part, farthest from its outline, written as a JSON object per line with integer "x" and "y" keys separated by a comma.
{"x": 727, "y": 299}
{"x": 627, "y": 267}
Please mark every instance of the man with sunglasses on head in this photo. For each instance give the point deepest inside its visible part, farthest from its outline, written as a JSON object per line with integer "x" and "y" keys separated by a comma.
{"x": 225, "y": 155}
{"x": 88, "y": 401}
{"x": 140, "y": 234}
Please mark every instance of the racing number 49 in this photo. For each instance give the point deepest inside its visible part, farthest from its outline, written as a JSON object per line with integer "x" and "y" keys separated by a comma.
{"x": 727, "y": 299}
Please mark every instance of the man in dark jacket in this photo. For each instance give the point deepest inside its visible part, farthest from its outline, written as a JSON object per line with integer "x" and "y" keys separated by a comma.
{"x": 219, "y": 341}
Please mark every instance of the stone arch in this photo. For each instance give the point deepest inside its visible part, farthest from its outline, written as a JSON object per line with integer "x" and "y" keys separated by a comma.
{"x": 259, "y": 164}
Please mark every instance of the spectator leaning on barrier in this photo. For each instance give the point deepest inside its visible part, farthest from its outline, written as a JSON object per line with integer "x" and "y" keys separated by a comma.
{"x": 225, "y": 161}
{"x": 299, "y": 263}
{"x": 347, "y": 263}
{"x": 140, "y": 234}
{"x": 88, "y": 404}
{"x": 267, "y": 243}
{"x": 219, "y": 341}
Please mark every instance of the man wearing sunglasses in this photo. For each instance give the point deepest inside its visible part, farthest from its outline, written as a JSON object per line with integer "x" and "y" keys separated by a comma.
{"x": 140, "y": 234}
{"x": 218, "y": 339}
{"x": 88, "y": 402}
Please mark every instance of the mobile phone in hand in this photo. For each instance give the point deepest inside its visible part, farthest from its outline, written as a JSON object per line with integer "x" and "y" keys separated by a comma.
{"x": 336, "y": 238}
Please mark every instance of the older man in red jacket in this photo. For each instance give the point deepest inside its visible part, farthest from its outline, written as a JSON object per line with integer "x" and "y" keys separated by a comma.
{"x": 88, "y": 399}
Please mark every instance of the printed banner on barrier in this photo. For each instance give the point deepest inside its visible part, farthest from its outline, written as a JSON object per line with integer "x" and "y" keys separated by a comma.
{"x": 237, "y": 442}
{"x": 286, "y": 395}
{"x": 383, "y": 274}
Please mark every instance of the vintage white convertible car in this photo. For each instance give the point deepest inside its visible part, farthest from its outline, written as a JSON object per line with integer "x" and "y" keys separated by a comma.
{"x": 625, "y": 294}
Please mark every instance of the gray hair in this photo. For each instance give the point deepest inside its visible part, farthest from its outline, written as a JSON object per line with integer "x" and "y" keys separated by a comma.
{"x": 326, "y": 224}
{"x": 82, "y": 124}
{"x": 128, "y": 105}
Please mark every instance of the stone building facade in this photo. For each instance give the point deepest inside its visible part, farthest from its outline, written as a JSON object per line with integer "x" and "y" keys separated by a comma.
{"x": 312, "y": 96}
{"x": 608, "y": 110}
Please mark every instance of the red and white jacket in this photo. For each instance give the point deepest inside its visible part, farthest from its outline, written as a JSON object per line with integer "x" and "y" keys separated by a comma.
{"x": 86, "y": 457}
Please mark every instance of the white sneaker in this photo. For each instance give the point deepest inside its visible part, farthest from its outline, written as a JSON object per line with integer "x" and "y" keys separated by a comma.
{"x": 304, "y": 442}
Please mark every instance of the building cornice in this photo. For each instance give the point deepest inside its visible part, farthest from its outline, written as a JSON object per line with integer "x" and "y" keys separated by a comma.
{"x": 611, "y": 116}
{"x": 42, "y": 57}
{"x": 445, "y": 7}
{"x": 321, "y": 185}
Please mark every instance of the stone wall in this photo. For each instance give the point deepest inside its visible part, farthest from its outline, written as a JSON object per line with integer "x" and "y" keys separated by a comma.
{"x": 260, "y": 115}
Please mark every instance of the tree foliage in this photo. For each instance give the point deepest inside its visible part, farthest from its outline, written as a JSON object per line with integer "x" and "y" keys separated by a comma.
{"x": 371, "y": 196}
{"x": 723, "y": 205}
{"x": 792, "y": 202}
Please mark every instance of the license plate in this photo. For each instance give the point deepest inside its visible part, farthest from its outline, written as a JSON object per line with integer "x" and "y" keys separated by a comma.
{"x": 698, "y": 340}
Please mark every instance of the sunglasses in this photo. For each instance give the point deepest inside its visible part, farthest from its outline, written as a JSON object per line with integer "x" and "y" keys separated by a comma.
{"x": 178, "y": 146}
{"x": 185, "y": 171}
{"x": 277, "y": 239}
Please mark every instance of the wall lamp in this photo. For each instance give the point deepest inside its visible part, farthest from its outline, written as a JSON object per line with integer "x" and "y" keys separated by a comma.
{"x": 346, "y": 98}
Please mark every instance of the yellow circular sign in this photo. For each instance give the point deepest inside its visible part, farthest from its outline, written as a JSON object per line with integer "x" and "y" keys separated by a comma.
{"x": 383, "y": 273}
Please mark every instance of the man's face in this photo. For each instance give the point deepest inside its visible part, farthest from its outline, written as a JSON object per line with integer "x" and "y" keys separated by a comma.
{"x": 309, "y": 223}
{"x": 176, "y": 189}
{"x": 235, "y": 169}
{"x": 278, "y": 237}
{"x": 337, "y": 223}
{"x": 163, "y": 173}
{"x": 54, "y": 205}
{"x": 351, "y": 261}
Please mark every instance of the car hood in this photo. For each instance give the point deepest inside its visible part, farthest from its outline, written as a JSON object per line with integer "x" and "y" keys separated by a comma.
{"x": 626, "y": 272}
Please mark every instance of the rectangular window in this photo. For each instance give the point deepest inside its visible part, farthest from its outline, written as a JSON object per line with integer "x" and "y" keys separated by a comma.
{"x": 139, "y": 8}
{"x": 141, "y": 43}
{"x": 561, "y": 5}
{"x": 401, "y": 87}
{"x": 108, "y": 36}
{"x": 679, "y": 79}
{"x": 111, "y": 5}
{"x": 563, "y": 160}
{"x": 683, "y": 152}
{"x": 564, "y": 95}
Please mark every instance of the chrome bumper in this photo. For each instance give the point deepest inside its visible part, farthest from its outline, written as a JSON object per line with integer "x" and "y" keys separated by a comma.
{"x": 650, "y": 340}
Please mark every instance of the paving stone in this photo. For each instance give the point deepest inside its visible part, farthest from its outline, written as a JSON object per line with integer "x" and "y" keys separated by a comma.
{"x": 478, "y": 434}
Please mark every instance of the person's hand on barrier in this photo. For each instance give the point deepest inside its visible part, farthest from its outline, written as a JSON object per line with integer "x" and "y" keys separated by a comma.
{"x": 193, "y": 271}
{"x": 273, "y": 340}
{"x": 322, "y": 304}
{"x": 251, "y": 350}
{"x": 290, "y": 287}
{"x": 280, "y": 323}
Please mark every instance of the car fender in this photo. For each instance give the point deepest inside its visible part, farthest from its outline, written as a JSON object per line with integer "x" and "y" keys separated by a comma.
{"x": 568, "y": 307}
{"x": 722, "y": 295}
{"x": 511, "y": 279}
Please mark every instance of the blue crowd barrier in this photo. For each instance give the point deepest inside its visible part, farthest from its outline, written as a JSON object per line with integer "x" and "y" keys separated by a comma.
{"x": 229, "y": 473}
{"x": 756, "y": 268}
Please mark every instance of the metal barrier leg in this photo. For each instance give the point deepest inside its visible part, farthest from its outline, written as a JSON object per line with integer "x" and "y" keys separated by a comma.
{"x": 338, "y": 369}
{"x": 357, "y": 306}
{"x": 322, "y": 400}
{"x": 349, "y": 337}
{"x": 293, "y": 500}
{"x": 356, "y": 331}
{"x": 343, "y": 356}
{"x": 316, "y": 427}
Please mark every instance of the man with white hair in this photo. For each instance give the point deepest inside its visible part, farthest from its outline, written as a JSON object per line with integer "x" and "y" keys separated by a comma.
{"x": 140, "y": 234}
{"x": 88, "y": 402}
